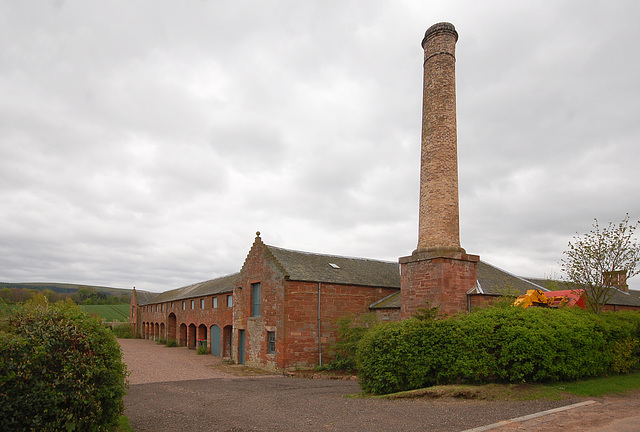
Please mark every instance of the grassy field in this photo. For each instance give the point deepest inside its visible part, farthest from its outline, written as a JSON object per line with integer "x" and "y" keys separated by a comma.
{"x": 109, "y": 312}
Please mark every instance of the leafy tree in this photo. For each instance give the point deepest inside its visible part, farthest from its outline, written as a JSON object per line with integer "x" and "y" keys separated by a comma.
{"x": 593, "y": 257}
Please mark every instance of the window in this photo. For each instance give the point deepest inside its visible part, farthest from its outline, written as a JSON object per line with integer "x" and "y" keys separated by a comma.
{"x": 271, "y": 342}
{"x": 229, "y": 301}
{"x": 201, "y": 303}
{"x": 214, "y": 302}
{"x": 193, "y": 304}
{"x": 255, "y": 299}
{"x": 171, "y": 305}
{"x": 184, "y": 305}
{"x": 162, "y": 308}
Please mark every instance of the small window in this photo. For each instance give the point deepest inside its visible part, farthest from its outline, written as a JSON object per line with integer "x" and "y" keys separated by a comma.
{"x": 271, "y": 342}
{"x": 229, "y": 301}
{"x": 214, "y": 302}
{"x": 172, "y": 305}
{"x": 193, "y": 304}
{"x": 255, "y": 299}
{"x": 163, "y": 305}
{"x": 201, "y": 303}
{"x": 184, "y": 305}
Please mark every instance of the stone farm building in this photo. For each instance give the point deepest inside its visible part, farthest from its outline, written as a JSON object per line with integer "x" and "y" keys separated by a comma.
{"x": 279, "y": 312}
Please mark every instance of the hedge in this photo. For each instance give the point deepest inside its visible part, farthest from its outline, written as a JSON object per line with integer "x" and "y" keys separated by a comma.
{"x": 60, "y": 369}
{"x": 500, "y": 344}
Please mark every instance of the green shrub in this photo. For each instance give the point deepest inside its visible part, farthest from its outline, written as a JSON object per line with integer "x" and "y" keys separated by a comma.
{"x": 350, "y": 329}
{"x": 60, "y": 369}
{"x": 172, "y": 343}
{"x": 161, "y": 341}
{"x": 125, "y": 331}
{"x": 498, "y": 344}
{"x": 202, "y": 349}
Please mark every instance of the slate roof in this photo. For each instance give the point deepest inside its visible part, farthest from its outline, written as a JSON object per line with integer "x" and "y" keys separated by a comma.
{"x": 491, "y": 281}
{"x": 144, "y": 296}
{"x": 619, "y": 298}
{"x": 312, "y": 267}
{"x": 220, "y": 285}
{"x": 495, "y": 281}
{"x": 391, "y": 301}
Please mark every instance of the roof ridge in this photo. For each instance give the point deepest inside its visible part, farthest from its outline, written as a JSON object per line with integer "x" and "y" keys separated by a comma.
{"x": 330, "y": 255}
{"x": 515, "y": 276}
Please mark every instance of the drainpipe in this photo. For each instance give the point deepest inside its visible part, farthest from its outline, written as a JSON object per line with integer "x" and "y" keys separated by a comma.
{"x": 319, "y": 329}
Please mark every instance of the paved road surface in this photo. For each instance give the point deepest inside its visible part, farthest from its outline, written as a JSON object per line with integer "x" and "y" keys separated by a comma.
{"x": 173, "y": 389}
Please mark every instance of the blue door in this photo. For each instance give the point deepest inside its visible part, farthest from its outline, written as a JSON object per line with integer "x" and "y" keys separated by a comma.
{"x": 241, "y": 343}
{"x": 215, "y": 340}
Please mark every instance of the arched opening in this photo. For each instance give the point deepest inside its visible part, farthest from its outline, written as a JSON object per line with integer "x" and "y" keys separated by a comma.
{"x": 171, "y": 327}
{"x": 202, "y": 335}
{"x": 227, "y": 332}
{"x": 146, "y": 330}
{"x": 215, "y": 340}
{"x": 156, "y": 331}
{"x": 183, "y": 335}
{"x": 163, "y": 335}
{"x": 191, "y": 336}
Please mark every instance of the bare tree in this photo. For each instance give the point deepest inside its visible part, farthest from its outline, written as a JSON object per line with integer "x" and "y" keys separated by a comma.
{"x": 594, "y": 257}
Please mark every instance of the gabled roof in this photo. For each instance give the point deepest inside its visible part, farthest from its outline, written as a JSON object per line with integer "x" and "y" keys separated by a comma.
{"x": 621, "y": 298}
{"x": 220, "y": 285}
{"x": 491, "y": 281}
{"x": 391, "y": 301}
{"x": 618, "y": 298}
{"x": 311, "y": 267}
{"x": 144, "y": 296}
{"x": 495, "y": 281}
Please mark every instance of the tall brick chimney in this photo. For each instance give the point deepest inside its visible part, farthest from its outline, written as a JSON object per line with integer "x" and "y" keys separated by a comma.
{"x": 439, "y": 272}
{"x": 439, "y": 226}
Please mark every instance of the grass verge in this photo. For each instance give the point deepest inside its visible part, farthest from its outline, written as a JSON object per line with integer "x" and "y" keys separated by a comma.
{"x": 614, "y": 385}
{"x": 123, "y": 425}
{"x": 618, "y": 384}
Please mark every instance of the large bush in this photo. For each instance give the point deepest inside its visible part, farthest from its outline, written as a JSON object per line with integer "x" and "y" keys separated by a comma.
{"x": 501, "y": 344}
{"x": 60, "y": 370}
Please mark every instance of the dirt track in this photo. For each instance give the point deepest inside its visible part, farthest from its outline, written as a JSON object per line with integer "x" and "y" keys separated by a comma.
{"x": 175, "y": 389}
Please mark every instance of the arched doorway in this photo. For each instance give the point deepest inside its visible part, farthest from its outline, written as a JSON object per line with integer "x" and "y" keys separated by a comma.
{"x": 191, "y": 336}
{"x": 163, "y": 335}
{"x": 215, "y": 340}
{"x": 183, "y": 335}
{"x": 171, "y": 327}
{"x": 156, "y": 331}
{"x": 202, "y": 335}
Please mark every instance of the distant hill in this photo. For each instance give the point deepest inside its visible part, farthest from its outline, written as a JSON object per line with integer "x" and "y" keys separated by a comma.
{"x": 65, "y": 288}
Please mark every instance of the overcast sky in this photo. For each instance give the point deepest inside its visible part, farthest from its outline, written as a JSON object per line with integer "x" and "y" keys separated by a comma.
{"x": 144, "y": 143}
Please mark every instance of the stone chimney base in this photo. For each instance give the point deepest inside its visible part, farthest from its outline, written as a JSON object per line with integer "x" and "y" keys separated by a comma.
{"x": 441, "y": 278}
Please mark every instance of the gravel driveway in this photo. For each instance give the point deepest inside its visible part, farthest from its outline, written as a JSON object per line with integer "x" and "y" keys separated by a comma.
{"x": 173, "y": 389}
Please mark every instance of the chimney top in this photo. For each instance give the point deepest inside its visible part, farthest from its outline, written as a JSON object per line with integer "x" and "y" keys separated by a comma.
{"x": 439, "y": 28}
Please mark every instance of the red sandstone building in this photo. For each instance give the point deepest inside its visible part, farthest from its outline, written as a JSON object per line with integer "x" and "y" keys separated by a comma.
{"x": 279, "y": 312}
